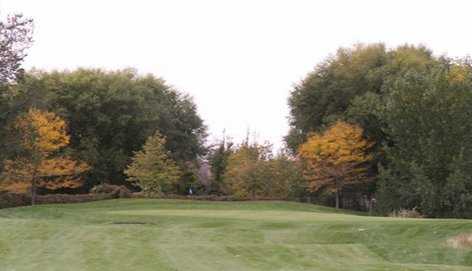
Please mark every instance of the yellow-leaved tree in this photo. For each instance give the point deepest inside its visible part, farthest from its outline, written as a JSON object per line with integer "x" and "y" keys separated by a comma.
{"x": 336, "y": 157}
{"x": 152, "y": 168}
{"x": 38, "y": 163}
{"x": 244, "y": 172}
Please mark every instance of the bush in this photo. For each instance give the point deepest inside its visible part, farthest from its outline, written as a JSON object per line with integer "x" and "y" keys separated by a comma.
{"x": 405, "y": 213}
{"x": 66, "y": 198}
{"x": 8, "y": 200}
{"x": 212, "y": 197}
{"x": 116, "y": 191}
{"x": 99, "y": 192}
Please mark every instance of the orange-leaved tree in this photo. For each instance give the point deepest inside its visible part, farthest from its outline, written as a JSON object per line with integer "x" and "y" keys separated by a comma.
{"x": 336, "y": 157}
{"x": 38, "y": 163}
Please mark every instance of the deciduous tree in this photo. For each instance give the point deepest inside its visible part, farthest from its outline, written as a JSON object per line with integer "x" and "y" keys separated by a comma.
{"x": 336, "y": 157}
{"x": 242, "y": 177}
{"x": 428, "y": 117}
{"x": 152, "y": 169}
{"x": 218, "y": 157}
{"x": 111, "y": 114}
{"x": 253, "y": 172}
{"x": 326, "y": 94}
{"x": 15, "y": 38}
{"x": 41, "y": 137}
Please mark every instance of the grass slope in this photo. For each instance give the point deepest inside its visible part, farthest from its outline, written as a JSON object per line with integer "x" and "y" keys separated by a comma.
{"x": 187, "y": 235}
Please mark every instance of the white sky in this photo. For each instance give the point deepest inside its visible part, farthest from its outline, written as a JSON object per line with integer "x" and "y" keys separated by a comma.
{"x": 239, "y": 59}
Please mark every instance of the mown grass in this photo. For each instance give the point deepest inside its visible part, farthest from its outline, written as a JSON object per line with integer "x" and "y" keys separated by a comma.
{"x": 195, "y": 235}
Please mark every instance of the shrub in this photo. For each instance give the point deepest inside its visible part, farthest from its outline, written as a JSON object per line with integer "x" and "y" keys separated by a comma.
{"x": 67, "y": 198}
{"x": 8, "y": 200}
{"x": 117, "y": 191}
{"x": 405, "y": 213}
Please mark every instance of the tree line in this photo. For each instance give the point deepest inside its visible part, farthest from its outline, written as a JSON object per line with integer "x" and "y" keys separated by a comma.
{"x": 388, "y": 124}
{"x": 109, "y": 115}
{"x": 414, "y": 108}
{"x": 104, "y": 117}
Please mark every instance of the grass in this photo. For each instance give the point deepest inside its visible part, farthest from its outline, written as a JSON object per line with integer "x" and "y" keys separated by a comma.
{"x": 189, "y": 235}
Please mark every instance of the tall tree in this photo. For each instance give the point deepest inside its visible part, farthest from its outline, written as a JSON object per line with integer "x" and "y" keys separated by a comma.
{"x": 15, "y": 39}
{"x": 327, "y": 94}
{"x": 336, "y": 158}
{"x": 413, "y": 105}
{"x": 111, "y": 114}
{"x": 285, "y": 176}
{"x": 253, "y": 172}
{"x": 41, "y": 136}
{"x": 218, "y": 157}
{"x": 152, "y": 169}
{"x": 242, "y": 177}
{"x": 428, "y": 117}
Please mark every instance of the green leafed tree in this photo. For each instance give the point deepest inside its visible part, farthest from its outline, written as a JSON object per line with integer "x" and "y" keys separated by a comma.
{"x": 243, "y": 172}
{"x": 15, "y": 37}
{"x": 254, "y": 172}
{"x": 347, "y": 83}
{"x": 218, "y": 157}
{"x": 428, "y": 124}
{"x": 110, "y": 115}
{"x": 152, "y": 169}
{"x": 414, "y": 105}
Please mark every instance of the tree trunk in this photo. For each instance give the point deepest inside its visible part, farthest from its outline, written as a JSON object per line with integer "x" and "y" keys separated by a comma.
{"x": 337, "y": 198}
{"x": 338, "y": 191}
{"x": 33, "y": 191}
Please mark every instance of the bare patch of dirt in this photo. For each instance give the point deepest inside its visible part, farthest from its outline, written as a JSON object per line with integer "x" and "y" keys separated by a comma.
{"x": 460, "y": 241}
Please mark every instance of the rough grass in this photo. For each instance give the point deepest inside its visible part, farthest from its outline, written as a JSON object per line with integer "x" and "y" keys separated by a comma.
{"x": 140, "y": 234}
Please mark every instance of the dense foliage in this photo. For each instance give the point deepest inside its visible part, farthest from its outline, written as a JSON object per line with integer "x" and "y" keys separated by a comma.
{"x": 336, "y": 158}
{"x": 340, "y": 85}
{"x": 428, "y": 117}
{"x": 38, "y": 161}
{"x": 110, "y": 115}
{"x": 152, "y": 169}
{"x": 398, "y": 116}
{"x": 218, "y": 157}
{"x": 252, "y": 172}
{"x": 417, "y": 109}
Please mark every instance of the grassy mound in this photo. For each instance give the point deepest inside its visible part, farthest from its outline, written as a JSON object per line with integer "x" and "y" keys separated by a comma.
{"x": 137, "y": 234}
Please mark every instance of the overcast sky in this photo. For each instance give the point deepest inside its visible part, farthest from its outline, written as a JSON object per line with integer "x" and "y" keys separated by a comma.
{"x": 238, "y": 59}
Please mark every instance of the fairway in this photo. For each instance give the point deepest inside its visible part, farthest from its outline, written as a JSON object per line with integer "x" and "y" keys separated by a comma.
{"x": 140, "y": 234}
